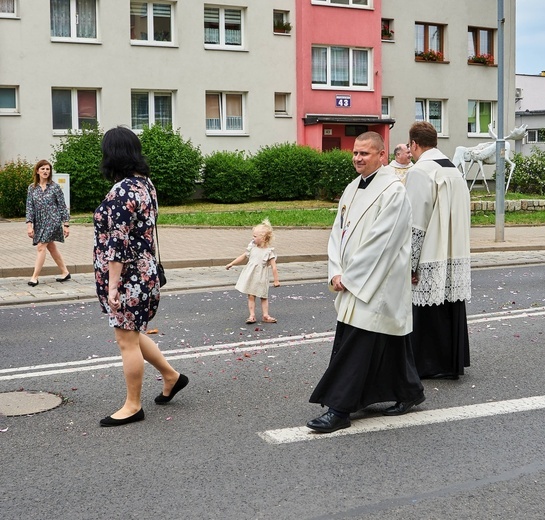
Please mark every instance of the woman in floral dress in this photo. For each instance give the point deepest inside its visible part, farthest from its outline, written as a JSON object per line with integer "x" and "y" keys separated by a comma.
{"x": 126, "y": 277}
{"x": 46, "y": 219}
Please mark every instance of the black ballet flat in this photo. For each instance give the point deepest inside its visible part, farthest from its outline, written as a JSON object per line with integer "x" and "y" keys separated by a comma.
{"x": 33, "y": 284}
{"x": 67, "y": 277}
{"x": 109, "y": 421}
{"x": 181, "y": 383}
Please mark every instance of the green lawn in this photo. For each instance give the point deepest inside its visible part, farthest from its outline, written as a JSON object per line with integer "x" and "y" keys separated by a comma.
{"x": 299, "y": 213}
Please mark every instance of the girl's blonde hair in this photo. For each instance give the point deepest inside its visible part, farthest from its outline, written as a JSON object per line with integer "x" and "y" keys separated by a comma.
{"x": 266, "y": 230}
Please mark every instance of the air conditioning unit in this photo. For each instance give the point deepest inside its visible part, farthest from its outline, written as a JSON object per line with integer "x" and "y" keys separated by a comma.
{"x": 518, "y": 93}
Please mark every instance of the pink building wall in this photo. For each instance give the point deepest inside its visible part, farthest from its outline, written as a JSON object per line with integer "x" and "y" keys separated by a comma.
{"x": 346, "y": 27}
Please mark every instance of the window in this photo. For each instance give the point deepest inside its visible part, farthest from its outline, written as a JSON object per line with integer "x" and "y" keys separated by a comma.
{"x": 281, "y": 104}
{"x": 73, "y": 19}
{"x": 281, "y": 22}
{"x": 8, "y": 9}
{"x": 536, "y": 136}
{"x": 149, "y": 108}
{"x": 428, "y": 38}
{"x": 74, "y": 109}
{"x": 385, "y": 109}
{"x": 224, "y": 113}
{"x": 340, "y": 67}
{"x": 223, "y": 27}
{"x": 480, "y": 42}
{"x": 430, "y": 110}
{"x": 151, "y": 22}
{"x": 355, "y": 3}
{"x": 8, "y": 100}
{"x": 479, "y": 116}
{"x": 386, "y": 29}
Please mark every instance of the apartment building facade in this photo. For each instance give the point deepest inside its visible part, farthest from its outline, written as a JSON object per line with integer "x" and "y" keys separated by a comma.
{"x": 238, "y": 75}
{"x": 530, "y": 110}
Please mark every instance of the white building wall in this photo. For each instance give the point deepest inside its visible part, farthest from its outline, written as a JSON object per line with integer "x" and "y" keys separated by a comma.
{"x": 35, "y": 65}
{"x": 455, "y": 81}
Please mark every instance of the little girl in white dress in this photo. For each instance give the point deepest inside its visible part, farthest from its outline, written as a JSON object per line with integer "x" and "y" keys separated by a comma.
{"x": 254, "y": 278}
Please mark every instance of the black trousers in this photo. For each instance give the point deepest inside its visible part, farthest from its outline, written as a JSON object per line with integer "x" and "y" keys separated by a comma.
{"x": 366, "y": 368}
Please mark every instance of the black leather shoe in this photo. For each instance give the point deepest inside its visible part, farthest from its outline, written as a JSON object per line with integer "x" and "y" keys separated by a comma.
{"x": 33, "y": 284}
{"x": 401, "y": 408}
{"x": 453, "y": 377}
{"x": 181, "y": 383}
{"x": 109, "y": 421}
{"x": 67, "y": 277}
{"x": 328, "y": 423}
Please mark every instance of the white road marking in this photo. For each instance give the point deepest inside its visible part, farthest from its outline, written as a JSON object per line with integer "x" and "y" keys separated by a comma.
{"x": 85, "y": 365}
{"x": 416, "y": 418}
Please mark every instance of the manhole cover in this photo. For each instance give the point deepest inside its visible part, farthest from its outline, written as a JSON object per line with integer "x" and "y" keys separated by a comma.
{"x": 27, "y": 403}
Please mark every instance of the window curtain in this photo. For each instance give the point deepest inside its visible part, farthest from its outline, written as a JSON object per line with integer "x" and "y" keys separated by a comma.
{"x": 139, "y": 110}
{"x": 434, "y": 38}
{"x": 319, "y": 65}
{"x": 484, "y": 42}
{"x": 211, "y": 25}
{"x": 60, "y": 18}
{"x": 7, "y": 6}
{"x": 360, "y": 68}
{"x": 339, "y": 67}
{"x": 163, "y": 109}
{"x": 419, "y": 31}
{"x": 87, "y": 108}
{"x": 87, "y": 18}
{"x": 419, "y": 110}
{"x": 233, "y": 104}
{"x": 471, "y": 43}
{"x": 471, "y": 117}
{"x": 485, "y": 116}
{"x": 435, "y": 117}
{"x": 233, "y": 27}
{"x": 213, "y": 121}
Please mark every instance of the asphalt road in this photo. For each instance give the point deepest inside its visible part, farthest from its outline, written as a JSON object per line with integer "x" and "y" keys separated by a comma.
{"x": 212, "y": 454}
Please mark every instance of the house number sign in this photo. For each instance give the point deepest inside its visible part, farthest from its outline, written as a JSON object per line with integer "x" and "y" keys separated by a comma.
{"x": 342, "y": 101}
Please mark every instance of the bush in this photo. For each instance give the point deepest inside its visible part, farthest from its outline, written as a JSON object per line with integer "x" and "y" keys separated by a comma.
{"x": 175, "y": 164}
{"x": 288, "y": 171}
{"x": 336, "y": 171}
{"x": 529, "y": 174}
{"x": 230, "y": 177}
{"x": 79, "y": 155}
{"x": 15, "y": 178}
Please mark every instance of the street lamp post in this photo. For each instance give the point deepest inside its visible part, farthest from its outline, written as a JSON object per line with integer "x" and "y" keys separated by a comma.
{"x": 500, "y": 142}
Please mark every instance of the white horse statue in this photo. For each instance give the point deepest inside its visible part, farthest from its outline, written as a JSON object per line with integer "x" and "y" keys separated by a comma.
{"x": 485, "y": 153}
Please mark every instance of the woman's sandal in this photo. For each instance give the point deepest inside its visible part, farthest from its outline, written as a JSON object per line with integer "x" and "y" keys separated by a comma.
{"x": 269, "y": 319}
{"x": 250, "y": 320}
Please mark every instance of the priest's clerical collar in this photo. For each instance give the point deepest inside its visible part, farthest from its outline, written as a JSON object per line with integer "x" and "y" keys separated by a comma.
{"x": 365, "y": 181}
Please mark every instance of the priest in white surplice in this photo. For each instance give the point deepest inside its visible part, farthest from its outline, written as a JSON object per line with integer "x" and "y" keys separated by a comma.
{"x": 440, "y": 257}
{"x": 369, "y": 268}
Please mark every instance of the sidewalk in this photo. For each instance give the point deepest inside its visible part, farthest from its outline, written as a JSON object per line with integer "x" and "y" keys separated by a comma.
{"x": 195, "y": 258}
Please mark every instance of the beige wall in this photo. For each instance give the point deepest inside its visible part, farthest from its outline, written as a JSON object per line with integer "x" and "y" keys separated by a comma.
{"x": 455, "y": 81}
{"x": 114, "y": 66}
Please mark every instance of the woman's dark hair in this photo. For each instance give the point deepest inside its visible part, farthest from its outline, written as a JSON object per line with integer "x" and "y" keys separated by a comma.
{"x": 122, "y": 155}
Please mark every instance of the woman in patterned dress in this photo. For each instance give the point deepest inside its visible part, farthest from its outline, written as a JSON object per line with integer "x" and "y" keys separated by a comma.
{"x": 126, "y": 269}
{"x": 46, "y": 219}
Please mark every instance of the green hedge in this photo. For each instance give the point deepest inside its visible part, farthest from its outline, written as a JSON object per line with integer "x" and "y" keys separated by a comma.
{"x": 15, "y": 177}
{"x": 336, "y": 171}
{"x": 529, "y": 173}
{"x": 230, "y": 178}
{"x": 288, "y": 171}
{"x": 79, "y": 155}
{"x": 175, "y": 164}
